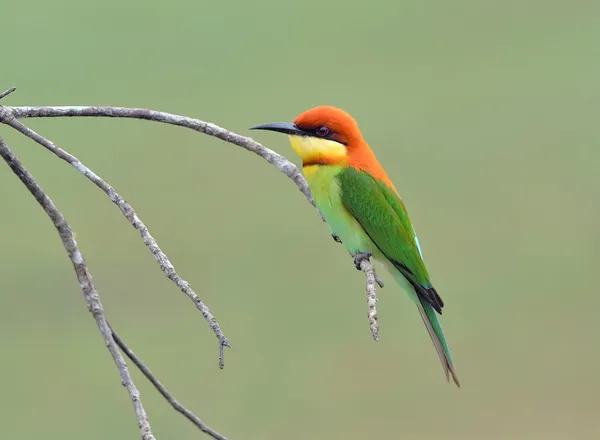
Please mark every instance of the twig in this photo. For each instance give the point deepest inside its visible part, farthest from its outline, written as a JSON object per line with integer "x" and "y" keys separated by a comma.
{"x": 90, "y": 294}
{"x": 163, "y": 391}
{"x": 129, "y": 213}
{"x": 364, "y": 264}
{"x": 7, "y": 92}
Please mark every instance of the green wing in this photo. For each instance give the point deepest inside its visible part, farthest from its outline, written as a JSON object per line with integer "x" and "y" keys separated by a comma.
{"x": 381, "y": 213}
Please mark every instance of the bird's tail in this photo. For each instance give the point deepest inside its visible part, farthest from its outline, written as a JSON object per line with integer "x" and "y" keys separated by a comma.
{"x": 437, "y": 336}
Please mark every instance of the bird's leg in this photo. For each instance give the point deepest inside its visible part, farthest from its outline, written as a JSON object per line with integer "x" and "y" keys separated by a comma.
{"x": 336, "y": 238}
{"x": 359, "y": 257}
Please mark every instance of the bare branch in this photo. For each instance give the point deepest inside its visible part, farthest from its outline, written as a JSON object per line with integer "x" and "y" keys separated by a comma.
{"x": 164, "y": 392}
{"x": 129, "y": 213}
{"x": 9, "y": 116}
{"x": 90, "y": 294}
{"x": 7, "y": 92}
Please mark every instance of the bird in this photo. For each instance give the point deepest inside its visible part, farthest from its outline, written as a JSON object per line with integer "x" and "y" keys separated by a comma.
{"x": 362, "y": 207}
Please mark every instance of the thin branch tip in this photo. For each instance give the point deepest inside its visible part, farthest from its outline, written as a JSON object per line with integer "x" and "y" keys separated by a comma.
{"x": 7, "y": 92}
{"x": 224, "y": 342}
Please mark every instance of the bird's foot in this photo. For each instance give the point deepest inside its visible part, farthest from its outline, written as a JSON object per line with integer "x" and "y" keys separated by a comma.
{"x": 359, "y": 257}
{"x": 336, "y": 238}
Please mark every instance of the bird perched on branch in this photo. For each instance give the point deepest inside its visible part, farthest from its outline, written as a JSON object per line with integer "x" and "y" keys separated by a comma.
{"x": 362, "y": 207}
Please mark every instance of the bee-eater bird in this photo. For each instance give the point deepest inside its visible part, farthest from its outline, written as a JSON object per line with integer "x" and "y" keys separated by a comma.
{"x": 362, "y": 207}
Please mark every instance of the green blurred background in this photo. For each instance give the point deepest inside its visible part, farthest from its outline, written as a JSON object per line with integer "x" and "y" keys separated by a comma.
{"x": 485, "y": 116}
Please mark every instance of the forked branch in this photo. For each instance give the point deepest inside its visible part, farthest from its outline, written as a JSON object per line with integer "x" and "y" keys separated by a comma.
{"x": 10, "y": 116}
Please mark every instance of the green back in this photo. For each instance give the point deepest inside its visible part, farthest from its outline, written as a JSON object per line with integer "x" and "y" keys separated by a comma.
{"x": 381, "y": 213}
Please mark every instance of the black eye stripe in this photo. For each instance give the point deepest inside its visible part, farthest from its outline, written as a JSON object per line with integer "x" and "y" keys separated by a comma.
{"x": 323, "y": 132}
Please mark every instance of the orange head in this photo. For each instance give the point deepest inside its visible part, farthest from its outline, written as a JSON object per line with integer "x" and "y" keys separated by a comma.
{"x": 327, "y": 135}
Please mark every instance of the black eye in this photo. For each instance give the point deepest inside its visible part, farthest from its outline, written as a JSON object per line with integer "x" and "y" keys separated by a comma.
{"x": 322, "y": 131}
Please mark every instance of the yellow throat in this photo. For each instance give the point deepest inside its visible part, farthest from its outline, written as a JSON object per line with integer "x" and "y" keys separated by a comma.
{"x": 315, "y": 150}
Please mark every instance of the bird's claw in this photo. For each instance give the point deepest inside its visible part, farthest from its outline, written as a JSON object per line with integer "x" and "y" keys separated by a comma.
{"x": 359, "y": 257}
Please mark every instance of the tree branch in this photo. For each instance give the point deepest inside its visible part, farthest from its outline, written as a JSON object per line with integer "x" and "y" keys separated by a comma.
{"x": 164, "y": 392}
{"x": 9, "y": 116}
{"x": 90, "y": 294}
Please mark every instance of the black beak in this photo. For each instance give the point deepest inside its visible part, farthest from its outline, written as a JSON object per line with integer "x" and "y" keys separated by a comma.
{"x": 281, "y": 127}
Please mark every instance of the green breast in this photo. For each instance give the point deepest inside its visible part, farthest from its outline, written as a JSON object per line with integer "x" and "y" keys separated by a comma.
{"x": 325, "y": 187}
